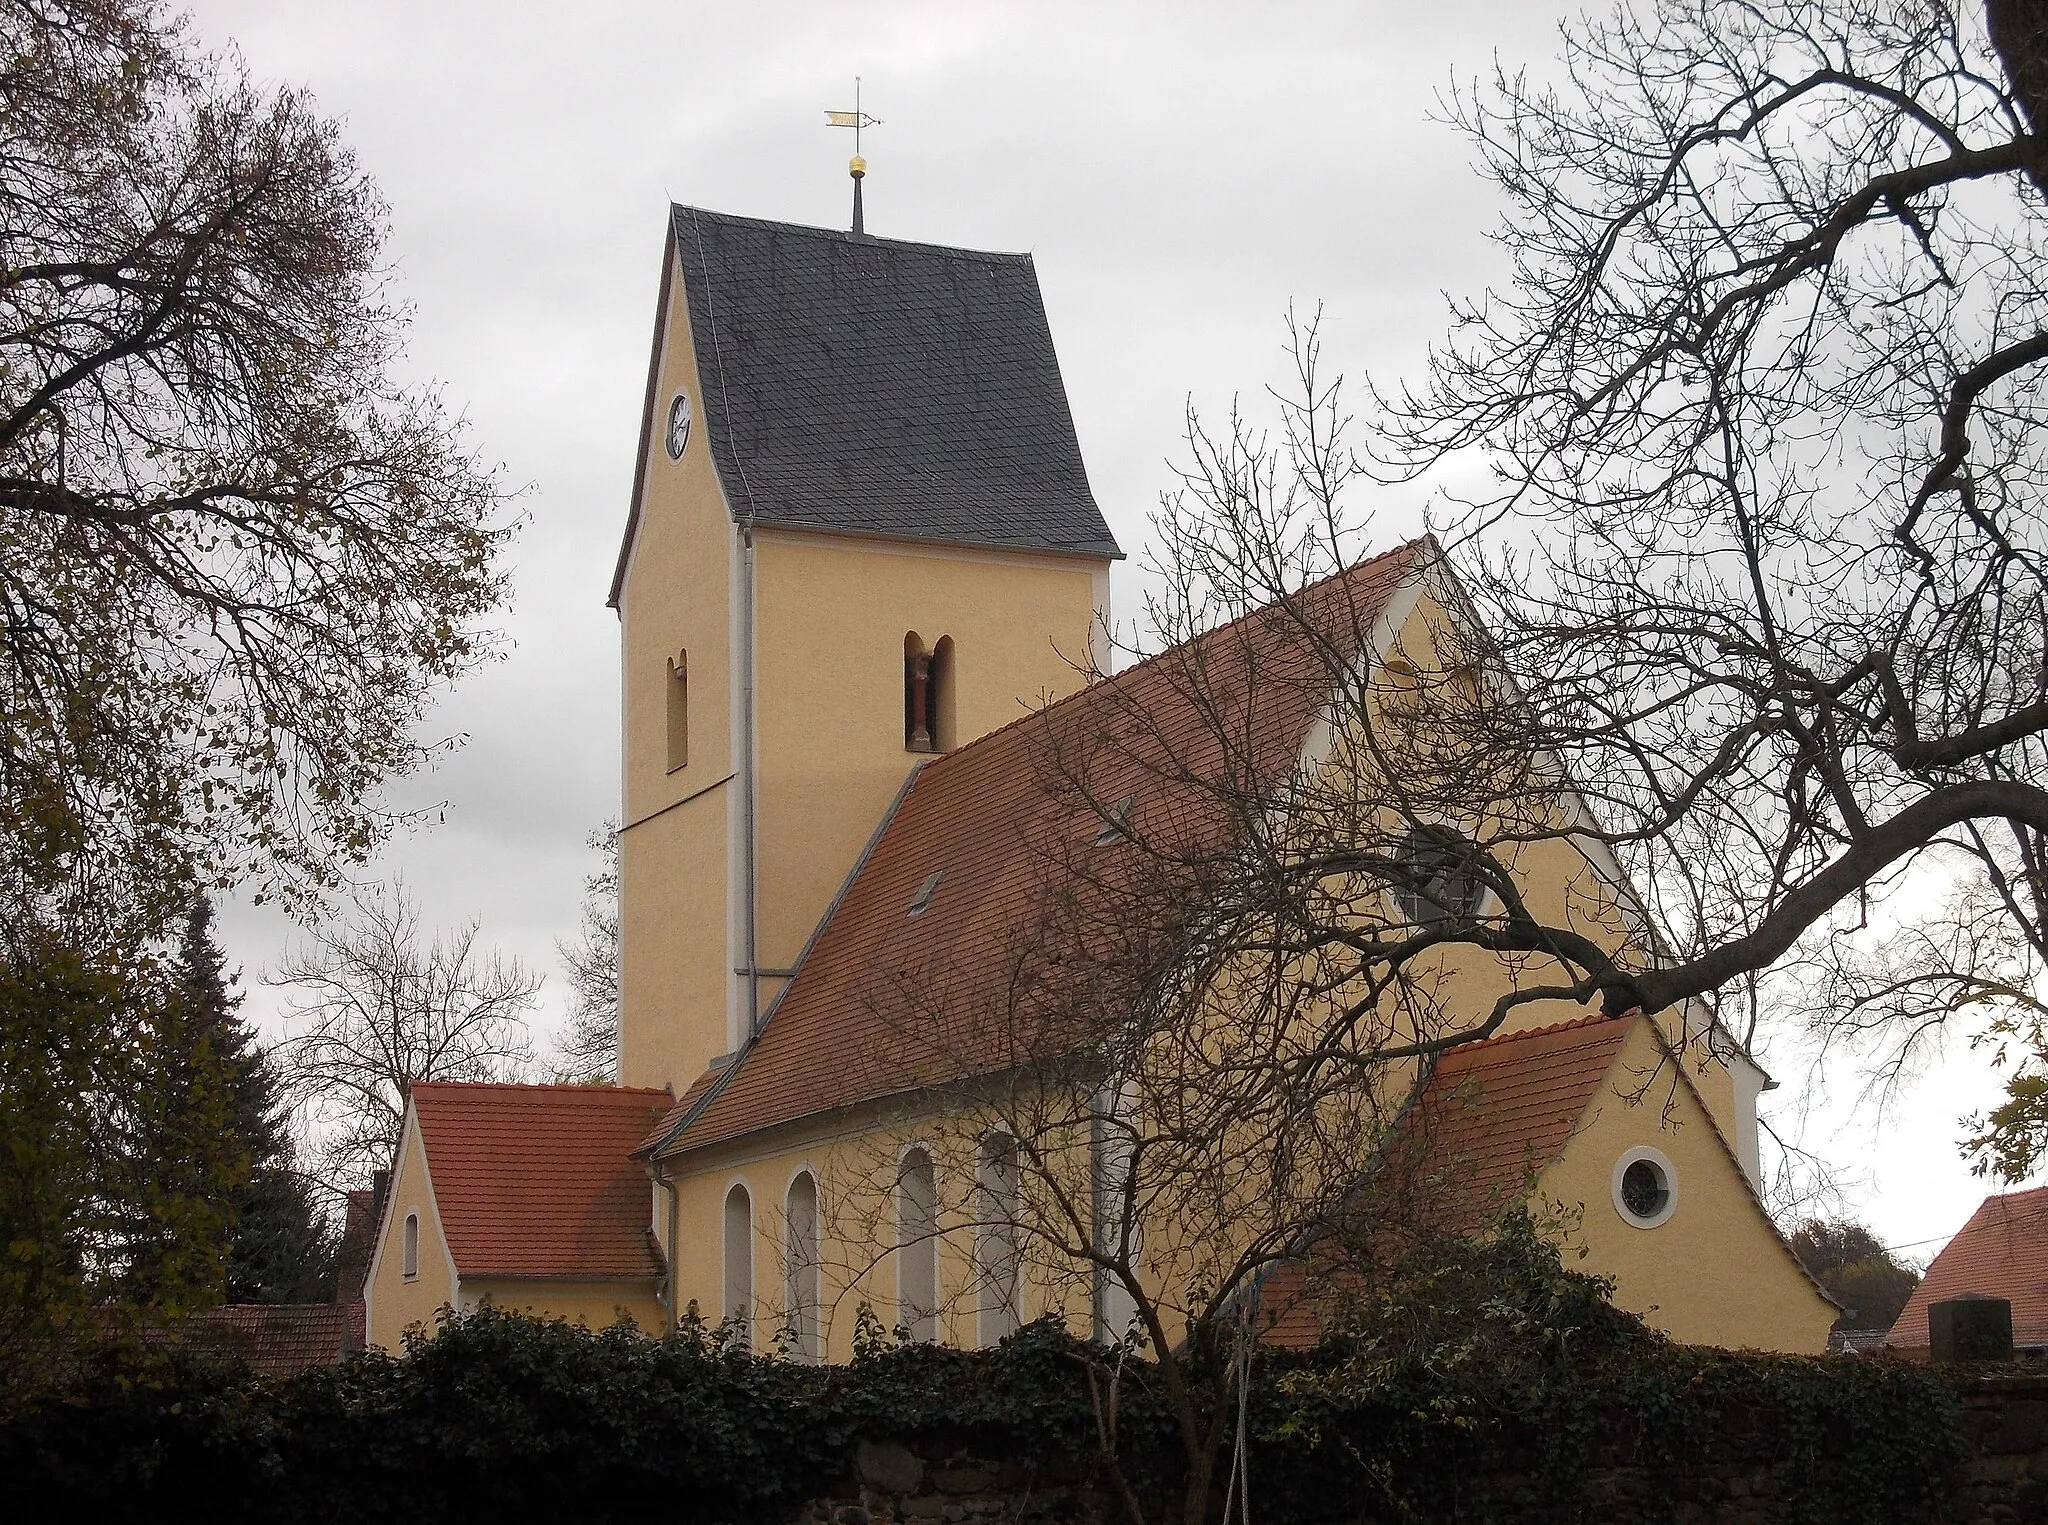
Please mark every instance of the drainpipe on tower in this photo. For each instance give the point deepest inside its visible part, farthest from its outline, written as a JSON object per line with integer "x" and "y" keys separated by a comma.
{"x": 748, "y": 846}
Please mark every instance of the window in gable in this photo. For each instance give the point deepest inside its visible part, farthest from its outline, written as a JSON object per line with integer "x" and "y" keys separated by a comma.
{"x": 411, "y": 1260}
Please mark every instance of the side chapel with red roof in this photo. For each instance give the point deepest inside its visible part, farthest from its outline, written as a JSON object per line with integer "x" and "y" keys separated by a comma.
{"x": 861, "y": 555}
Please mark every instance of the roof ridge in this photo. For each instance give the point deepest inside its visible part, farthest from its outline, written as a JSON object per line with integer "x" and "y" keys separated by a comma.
{"x": 842, "y": 236}
{"x": 1142, "y": 663}
{"x": 1593, "y": 1020}
{"x": 571, "y": 1086}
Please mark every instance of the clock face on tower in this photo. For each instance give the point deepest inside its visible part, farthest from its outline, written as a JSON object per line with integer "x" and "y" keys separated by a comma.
{"x": 678, "y": 426}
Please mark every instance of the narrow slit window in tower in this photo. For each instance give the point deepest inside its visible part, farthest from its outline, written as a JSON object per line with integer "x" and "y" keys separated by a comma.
{"x": 917, "y": 696}
{"x": 678, "y": 711}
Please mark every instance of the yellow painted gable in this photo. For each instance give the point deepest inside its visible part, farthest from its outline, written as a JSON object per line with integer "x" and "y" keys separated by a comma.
{"x": 1715, "y": 1272}
{"x": 395, "y": 1301}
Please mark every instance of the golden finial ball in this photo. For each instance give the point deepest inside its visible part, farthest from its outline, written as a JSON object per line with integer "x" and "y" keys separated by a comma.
{"x": 857, "y": 166}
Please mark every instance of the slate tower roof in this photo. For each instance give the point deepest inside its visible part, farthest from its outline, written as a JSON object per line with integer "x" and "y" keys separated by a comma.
{"x": 871, "y": 386}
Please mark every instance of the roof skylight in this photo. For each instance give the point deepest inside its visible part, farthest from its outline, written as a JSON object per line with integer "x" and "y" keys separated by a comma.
{"x": 925, "y": 891}
{"x": 1116, "y": 825}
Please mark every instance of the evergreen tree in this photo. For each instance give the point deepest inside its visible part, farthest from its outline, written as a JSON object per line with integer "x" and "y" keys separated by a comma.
{"x": 186, "y": 1154}
{"x": 279, "y": 1248}
{"x": 62, "y": 1040}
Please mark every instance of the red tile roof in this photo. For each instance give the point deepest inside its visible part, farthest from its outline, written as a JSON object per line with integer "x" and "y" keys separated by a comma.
{"x": 983, "y": 816}
{"x": 699, "y": 1088}
{"x": 2001, "y": 1252}
{"x": 1496, "y": 1114}
{"x": 538, "y": 1180}
{"x": 1493, "y": 1116}
{"x": 276, "y": 1339}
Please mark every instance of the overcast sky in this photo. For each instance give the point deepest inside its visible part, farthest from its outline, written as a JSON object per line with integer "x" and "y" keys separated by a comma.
{"x": 1182, "y": 173}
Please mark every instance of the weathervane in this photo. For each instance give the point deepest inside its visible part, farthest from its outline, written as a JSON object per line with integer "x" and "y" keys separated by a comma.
{"x": 858, "y": 167}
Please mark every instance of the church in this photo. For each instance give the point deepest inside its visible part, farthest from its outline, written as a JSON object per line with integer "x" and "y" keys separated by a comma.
{"x": 862, "y": 571}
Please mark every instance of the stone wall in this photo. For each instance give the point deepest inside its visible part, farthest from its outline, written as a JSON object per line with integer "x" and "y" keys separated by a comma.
{"x": 2005, "y": 1473}
{"x": 892, "y": 1483}
{"x": 1734, "y": 1480}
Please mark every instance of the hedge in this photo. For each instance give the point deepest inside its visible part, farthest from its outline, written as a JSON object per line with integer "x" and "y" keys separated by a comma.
{"x": 508, "y": 1418}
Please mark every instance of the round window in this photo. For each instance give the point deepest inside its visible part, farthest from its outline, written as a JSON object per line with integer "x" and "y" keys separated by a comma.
{"x": 1436, "y": 877}
{"x": 1645, "y": 1188}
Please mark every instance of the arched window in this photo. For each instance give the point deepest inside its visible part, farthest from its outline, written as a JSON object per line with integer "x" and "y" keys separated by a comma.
{"x": 678, "y": 711}
{"x": 411, "y": 1262}
{"x": 917, "y": 1246}
{"x": 917, "y": 695}
{"x": 939, "y": 691}
{"x": 801, "y": 1292}
{"x": 928, "y": 717}
{"x": 1438, "y": 878}
{"x": 997, "y": 1261}
{"x": 739, "y": 1258}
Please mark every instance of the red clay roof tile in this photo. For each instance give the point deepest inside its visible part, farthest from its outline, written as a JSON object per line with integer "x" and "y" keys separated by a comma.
{"x": 1493, "y": 1116}
{"x": 276, "y": 1339}
{"x": 983, "y": 814}
{"x": 538, "y": 1180}
{"x": 1496, "y": 1114}
{"x": 2001, "y": 1252}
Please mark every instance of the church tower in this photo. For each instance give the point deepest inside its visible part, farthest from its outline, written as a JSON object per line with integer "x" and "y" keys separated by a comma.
{"x": 861, "y": 533}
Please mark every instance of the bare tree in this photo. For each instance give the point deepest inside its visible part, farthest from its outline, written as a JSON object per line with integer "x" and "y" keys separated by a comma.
{"x": 1763, "y": 554}
{"x": 588, "y": 1050}
{"x": 236, "y": 558}
{"x": 1263, "y": 876}
{"x": 376, "y": 1006}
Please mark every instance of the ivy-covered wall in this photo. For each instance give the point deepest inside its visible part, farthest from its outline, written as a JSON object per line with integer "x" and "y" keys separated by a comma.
{"x": 503, "y": 1418}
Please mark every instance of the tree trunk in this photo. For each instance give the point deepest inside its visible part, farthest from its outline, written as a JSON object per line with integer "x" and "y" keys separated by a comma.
{"x": 2019, "y": 33}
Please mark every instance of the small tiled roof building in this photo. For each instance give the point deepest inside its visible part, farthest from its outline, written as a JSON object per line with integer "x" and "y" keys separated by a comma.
{"x": 523, "y": 1196}
{"x": 2001, "y": 1252}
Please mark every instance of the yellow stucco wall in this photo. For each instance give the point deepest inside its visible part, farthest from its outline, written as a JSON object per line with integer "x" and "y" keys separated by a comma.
{"x": 595, "y": 1304}
{"x": 832, "y": 614}
{"x": 675, "y": 975}
{"x": 1726, "y": 1279}
{"x": 855, "y": 1171}
{"x": 1714, "y": 1273}
{"x": 395, "y": 1302}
